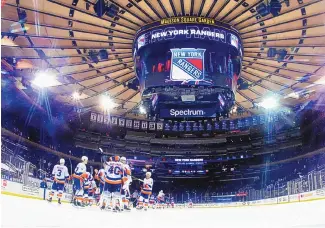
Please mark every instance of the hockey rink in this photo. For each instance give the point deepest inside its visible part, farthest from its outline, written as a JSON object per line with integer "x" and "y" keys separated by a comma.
{"x": 22, "y": 212}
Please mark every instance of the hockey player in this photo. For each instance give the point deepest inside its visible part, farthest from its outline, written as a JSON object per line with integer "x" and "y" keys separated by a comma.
{"x": 172, "y": 202}
{"x": 167, "y": 202}
{"x": 190, "y": 203}
{"x": 78, "y": 179}
{"x": 161, "y": 199}
{"x": 60, "y": 175}
{"x": 125, "y": 192}
{"x": 152, "y": 201}
{"x": 145, "y": 192}
{"x": 113, "y": 180}
{"x": 100, "y": 176}
{"x": 91, "y": 192}
{"x": 88, "y": 179}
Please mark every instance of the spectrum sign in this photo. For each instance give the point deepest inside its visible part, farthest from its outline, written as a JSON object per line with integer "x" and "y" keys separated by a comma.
{"x": 187, "y": 113}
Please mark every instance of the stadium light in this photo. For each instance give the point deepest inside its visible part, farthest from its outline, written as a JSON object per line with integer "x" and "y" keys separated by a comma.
{"x": 142, "y": 110}
{"x": 76, "y": 96}
{"x": 45, "y": 79}
{"x": 107, "y": 103}
{"x": 269, "y": 103}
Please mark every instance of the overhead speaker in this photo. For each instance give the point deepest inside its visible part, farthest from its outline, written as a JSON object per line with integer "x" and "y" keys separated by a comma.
{"x": 271, "y": 52}
{"x": 263, "y": 9}
{"x": 100, "y": 7}
{"x": 275, "y": 7}
{"x": 112, "y": 10}
{"x": 103, "y": 54}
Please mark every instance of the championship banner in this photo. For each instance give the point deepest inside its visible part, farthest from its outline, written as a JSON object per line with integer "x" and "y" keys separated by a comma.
{"x": 136, "y": 124}
{"x": 181, "y": 127}
{"x": 239, "y": 124}
{"x": 195, "y": 127}
{"x": 100, "y": 118}
{"x": 167, "y": 127}
{"x": 188, "y": 126}
{"x": 216, "y": 125}
{"x": 201, "y": 127}
{"x": 188, "y": 65}
{"x": 144, "y": 125}
{"x": 152, "y": 126}
{"x": 175, "y": 126}
{"x": 129, "y": 123}
{"x": 107, "y": 119}
{"x": 93, "y": 117}
{"x": 262, "y": 119}
{"x": 224, "y": 125}
{"x": 121, "y": 122}
{"x": 160, "y": 126}
{"x": 247, "y": 123}
{"x": 208, "y": 126}
{"x": 114, "y": 120}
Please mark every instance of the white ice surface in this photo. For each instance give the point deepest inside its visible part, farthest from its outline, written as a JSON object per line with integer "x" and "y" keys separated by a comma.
{"x": 21, "y": 212}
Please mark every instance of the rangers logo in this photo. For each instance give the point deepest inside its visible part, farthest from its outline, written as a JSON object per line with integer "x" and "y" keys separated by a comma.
{"x": 141, "y": 41}
{"x": 187, "y": 65}
{"x": 234, "y": 41}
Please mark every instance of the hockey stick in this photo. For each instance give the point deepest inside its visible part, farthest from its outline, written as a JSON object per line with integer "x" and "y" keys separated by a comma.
{"x": 133, "y": 177}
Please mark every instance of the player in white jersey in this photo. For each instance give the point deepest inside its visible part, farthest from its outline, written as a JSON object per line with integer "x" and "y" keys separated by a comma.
{"x": 127, "y": 179}
{"x": 161, "y": 199}
{"x": 114, "y": 173}
{"x": 78, "y": 178}
{"x": 146, "y": 191}
{"x": 60, "y": 175}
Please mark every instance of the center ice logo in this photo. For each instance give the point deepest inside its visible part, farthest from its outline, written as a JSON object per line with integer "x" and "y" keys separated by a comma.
{"x": 187, "y": 64}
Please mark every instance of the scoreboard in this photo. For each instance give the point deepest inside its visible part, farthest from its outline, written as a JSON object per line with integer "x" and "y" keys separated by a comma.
{"x": 188, "y": 52}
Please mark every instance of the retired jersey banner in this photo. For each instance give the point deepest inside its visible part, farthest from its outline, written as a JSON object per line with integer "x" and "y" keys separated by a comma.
{"x": 144, "y": 125}
{"x": 152, "y": 126}
{"x": 121, "y": 122}
{"x": 93, "y": 117}
{"x": 100, "y": 118}
{"x": 187, "y": 65}
{"x": 136, "y": 124}
{"x": 107, "y": 119}
{"x": 129, "y": 123}
{"x": 114, "y": 120}
{"x": 160, "y": 126}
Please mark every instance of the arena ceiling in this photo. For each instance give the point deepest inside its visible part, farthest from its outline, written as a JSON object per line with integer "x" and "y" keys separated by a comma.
{"x": 58, "y": 35}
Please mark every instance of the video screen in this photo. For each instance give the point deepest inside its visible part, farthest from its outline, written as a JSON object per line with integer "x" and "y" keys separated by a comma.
{"x": 187, "y": 62}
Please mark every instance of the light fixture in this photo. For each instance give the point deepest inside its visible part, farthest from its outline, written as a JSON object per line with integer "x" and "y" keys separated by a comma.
{"x": 269, "y": 103}
{"x": 107, "y": 103}
{"x": 76, "y": 95}
{"x": 142, "y": 110}
{"x": 46, "y": 78}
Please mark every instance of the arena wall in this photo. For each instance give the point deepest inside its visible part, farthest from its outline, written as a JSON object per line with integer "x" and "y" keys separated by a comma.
{"x": 18, "y": 189}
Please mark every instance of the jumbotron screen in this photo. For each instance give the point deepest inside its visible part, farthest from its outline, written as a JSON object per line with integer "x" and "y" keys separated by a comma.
{"x": 187, "y": 51}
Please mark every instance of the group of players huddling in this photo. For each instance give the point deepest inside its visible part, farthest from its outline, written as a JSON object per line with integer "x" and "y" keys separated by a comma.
{"x": 113, "y": 192}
